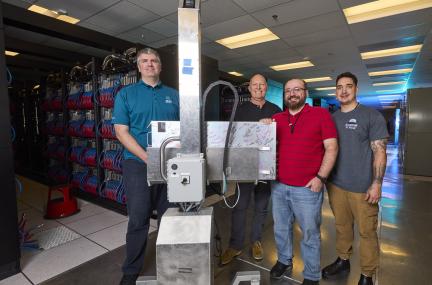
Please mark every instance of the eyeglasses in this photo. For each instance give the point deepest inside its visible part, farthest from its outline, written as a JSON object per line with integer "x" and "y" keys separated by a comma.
{"x": 295, "y": 90}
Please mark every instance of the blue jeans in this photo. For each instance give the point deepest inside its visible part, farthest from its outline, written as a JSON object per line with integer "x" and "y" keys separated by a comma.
{"x": 303, "y": 205}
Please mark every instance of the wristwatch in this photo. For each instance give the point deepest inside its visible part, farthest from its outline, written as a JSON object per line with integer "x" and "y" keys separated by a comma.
{"x": 323, "y": 179}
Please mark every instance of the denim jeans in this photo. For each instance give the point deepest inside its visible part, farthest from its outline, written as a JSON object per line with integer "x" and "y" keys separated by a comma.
{"x": 238, "y": 216}
{"x": 301, "y": 204}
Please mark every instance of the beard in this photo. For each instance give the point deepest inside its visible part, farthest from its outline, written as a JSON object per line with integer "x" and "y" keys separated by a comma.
{"x": 295, "y": 105}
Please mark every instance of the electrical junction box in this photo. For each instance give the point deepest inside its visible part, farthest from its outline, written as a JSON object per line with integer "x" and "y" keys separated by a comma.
{"x": 186, "y": 178}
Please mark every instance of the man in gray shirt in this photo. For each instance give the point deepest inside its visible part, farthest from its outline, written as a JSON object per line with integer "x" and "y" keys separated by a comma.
{"x": 354, "y": 186}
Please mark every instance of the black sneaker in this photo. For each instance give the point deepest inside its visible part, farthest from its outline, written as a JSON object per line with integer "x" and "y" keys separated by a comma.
{"x": 337, "y": 269}
{"x": 279, "y": 269}
{"x": 129, "y": 279}
{"x": 310, "y": 282}
{"x": 365, "y": 280}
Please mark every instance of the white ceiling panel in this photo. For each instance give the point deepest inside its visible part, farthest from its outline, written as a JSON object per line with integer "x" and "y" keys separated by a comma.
{"x": 216, "y": 11}
{"x": 266, "y": 47}
{"x": 94, "y": 27}
{"x": 351, "y": 3}
{"x": 81, "y": 9}
{"x": 319, "y": 37}
{"x": 310, "y": 25}
{"x": 122, "y": 17}
{"x": 164, "y": 42}
{"x": 255, "y": 5}
{"x": 294, "y": 11}
{"x": 141, "y": 35}
{"x": 232, "y": 27}
{"x": 337, "y": 47}
{"x": 163, "y": 27}
{"x": 159, "y": 7}
{"x": 172, "y": 17}
{"x": 20, "y": 3}
{"x": 365, "y": 37}
{"x": 393, "y": 22}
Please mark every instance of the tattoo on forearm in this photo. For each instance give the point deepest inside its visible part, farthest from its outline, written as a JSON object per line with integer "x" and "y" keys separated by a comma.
{"x": 380, "y": 159}
{"x": 379, "y": 145}
{"x": 379, "y": 171}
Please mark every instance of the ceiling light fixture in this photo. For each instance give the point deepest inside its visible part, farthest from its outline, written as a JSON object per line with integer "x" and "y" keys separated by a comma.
{"x": 235, "y": 73}
{"x": 389, "y": 91}
{"x": 383, "y": 8}
{"x": 388, "y": 72}
{"x": 388, "y": 83}
{"x": 317, "y": 79}
{"x": 11, "y": 53}
{"x": 294, "y": 65}
{"x": 59, "y": 15}
{"x": 325, "y": 88}
{"x": 331, "y": 94}
{"x": 391, "y": 52}
{"x": 247, "y": 39}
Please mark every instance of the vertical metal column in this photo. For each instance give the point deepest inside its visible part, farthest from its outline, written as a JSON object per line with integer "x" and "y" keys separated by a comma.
{"x": 97, "y": 118}
{"x": 189, "y": 52}
{"x": 9, "y": 246}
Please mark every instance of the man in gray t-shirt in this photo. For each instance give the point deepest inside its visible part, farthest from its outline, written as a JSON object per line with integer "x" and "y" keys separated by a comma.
{"x": 354, "y": 186}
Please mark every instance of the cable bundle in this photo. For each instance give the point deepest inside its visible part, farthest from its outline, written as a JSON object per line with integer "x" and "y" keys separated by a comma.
{"x": 79, "y": 178}
{"x": 88, "y": 157}
{"x": 58, "y": 128}
{"x": 106, "y": 130}
{"x": 107, "y": 95}
{"x": 111, "y": 159}
{"x": 74, "y": 128}
{"x": 113, "y": 190}
{"x": 75, "y": 153}
{"x": 86, "y": 100}
{"x": 74, "y": 100}
{"x": 88, "y": 129}
{"x": 90, "y": 184}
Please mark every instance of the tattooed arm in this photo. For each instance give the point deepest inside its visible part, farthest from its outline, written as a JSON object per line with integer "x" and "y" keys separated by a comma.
{"x": 379, "y": 147}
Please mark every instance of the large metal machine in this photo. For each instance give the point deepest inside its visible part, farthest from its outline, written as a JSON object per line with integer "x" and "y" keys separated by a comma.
{"x": 190, "y": 154}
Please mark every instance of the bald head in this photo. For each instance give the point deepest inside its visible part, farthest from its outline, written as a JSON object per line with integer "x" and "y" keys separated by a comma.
{"x": 257, "y": 88}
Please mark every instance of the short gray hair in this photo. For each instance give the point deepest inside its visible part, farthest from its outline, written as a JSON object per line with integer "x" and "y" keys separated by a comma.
{"x": 148, "y": 51}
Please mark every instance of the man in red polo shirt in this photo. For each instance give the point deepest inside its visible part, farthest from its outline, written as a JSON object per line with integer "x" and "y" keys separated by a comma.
{"x": 307, "y": 149}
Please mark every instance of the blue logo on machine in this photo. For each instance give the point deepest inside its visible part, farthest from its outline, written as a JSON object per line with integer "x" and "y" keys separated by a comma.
{"x": 352, "y": 124}
{"x": 187, "y": 66}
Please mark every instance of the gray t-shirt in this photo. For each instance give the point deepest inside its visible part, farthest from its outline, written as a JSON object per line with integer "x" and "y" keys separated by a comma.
{"x": 356, "y": 129}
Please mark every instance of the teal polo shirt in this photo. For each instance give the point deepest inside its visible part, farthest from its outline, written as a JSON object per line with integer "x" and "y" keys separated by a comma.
{"x": 138, "y": 104}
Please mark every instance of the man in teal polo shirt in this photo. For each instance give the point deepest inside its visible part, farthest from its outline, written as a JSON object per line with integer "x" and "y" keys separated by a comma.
{"x": 135, "y": 107}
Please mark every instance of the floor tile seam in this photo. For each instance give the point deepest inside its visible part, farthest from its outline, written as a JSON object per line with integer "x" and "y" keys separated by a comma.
{"x": 59, "y": 220}
{"x": 26, "y": 277}
{"x": 86, "y": 235}
{"x": 68, "y": 225}
{"x": 267, "y": 269}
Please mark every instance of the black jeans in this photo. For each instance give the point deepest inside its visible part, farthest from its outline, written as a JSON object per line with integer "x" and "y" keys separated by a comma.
{"x": 262, "y": 193}
{"x": 141, "y": 201}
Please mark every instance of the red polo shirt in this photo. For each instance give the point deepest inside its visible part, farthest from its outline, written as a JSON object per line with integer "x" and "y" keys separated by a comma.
{"x": 300, "y": 147}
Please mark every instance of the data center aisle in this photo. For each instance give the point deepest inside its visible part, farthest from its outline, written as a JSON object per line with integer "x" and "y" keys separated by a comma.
{"x": 405, "y": 238}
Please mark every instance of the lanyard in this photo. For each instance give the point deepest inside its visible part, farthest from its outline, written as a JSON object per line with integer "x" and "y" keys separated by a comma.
{"x": 292, "y": 125}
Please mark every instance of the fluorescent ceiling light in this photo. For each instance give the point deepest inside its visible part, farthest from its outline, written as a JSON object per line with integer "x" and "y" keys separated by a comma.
{"x": 294, "y": 65}
{"x": 389, "y": 83}
{"x": 388, "y": 91}
{"x": 235, "y": 73}
{"x": 326, "y": 88}
{"x": 391, "y": 52}
{"x": 388, "y": 72}
{"x": 331, "y": 94}
{"x": 383, "y": 8}
{"x": 317, "y": 79}
{"x": 11, "y": 53}
{"x": 247, "y": 39}
{"x": 53, "y": 14}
